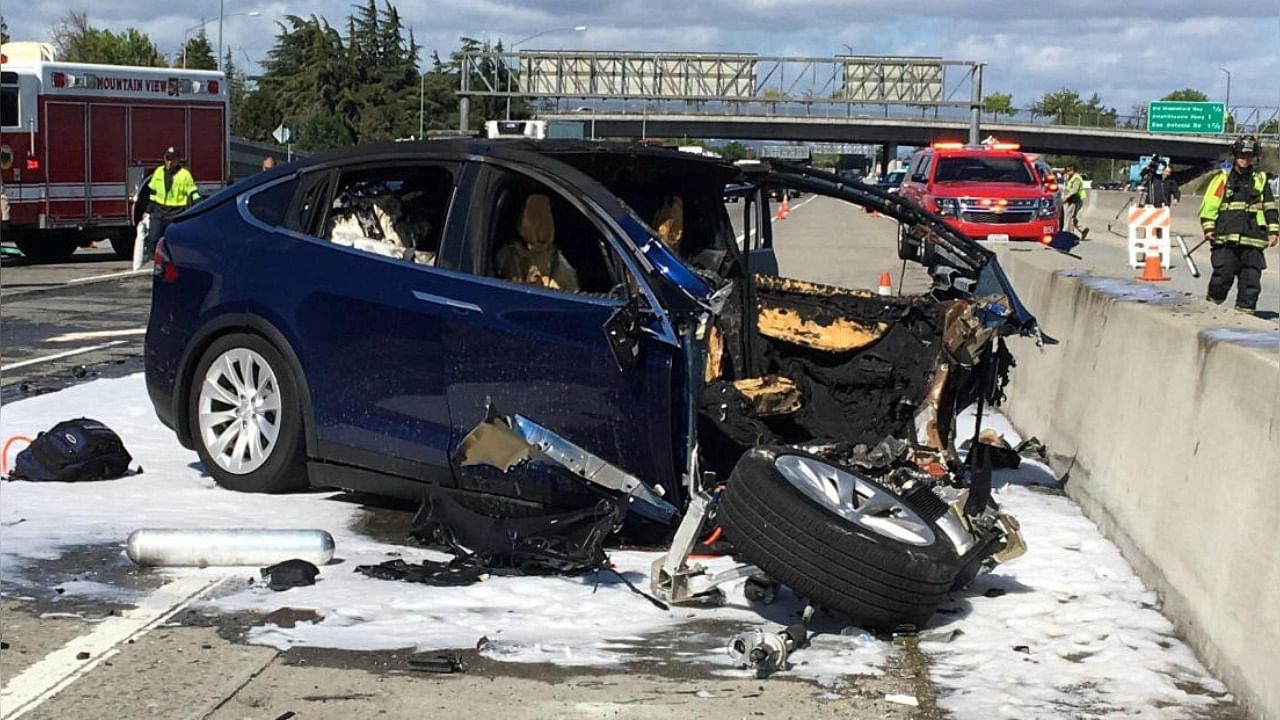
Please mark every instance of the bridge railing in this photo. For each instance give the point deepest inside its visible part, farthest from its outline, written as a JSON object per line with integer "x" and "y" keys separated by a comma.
{"x": 865, "y": 87}
{"x": 1263, "y": 121}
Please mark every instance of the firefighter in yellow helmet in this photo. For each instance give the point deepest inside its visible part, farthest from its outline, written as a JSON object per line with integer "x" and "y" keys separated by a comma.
{"x": 170, "y": 190}
{"x": 1240, "y": 219}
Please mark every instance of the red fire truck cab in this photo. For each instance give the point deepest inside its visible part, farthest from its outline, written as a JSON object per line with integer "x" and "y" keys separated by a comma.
{"x": 77, "y": 140}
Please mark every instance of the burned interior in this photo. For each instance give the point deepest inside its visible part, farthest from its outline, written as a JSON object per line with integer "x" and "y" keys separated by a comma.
{"x": 843, "y": 399}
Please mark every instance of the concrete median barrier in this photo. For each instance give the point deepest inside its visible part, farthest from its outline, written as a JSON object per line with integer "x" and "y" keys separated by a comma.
{"x": 1164, "y": 417}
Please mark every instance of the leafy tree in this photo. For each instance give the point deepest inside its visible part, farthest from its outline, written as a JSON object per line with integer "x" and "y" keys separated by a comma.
{"x": 1067, "y": 108}
{"x": 4, "y": 30}
{"x": 734, "y": 151}
{"x": 321, "y": 132}
{"x": 257, "y": 117}
{"x": 997, "y": 104}
{"x": 197, "y": 54}
{"x": 1187, "y": 95}
{"x": 77, "y": 41}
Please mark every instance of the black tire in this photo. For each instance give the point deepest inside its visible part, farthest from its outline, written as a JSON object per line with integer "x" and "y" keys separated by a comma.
{"x": 284, "y": 468}
{"x": 880, "y": 582}
{"x": 122, "y": 243}
{"x": 49, "y": 246}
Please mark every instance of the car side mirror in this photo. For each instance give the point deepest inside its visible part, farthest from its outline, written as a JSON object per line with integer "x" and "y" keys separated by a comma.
{"x": 622, "y": 330}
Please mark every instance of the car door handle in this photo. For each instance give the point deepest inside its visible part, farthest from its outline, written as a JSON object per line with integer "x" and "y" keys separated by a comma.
{"x": 449, "y": 302}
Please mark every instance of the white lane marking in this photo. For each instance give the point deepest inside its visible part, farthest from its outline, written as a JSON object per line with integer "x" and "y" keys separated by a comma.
{"x": 95, "y": 335}
{"x": 59, "y": 356}
{"x": 60, "y": 668}
{"x": 806, "y": 202}
{"x": 93, "y": 278}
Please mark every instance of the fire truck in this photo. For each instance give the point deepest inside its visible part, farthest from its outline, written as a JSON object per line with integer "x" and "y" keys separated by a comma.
{"x": 77, "y": 140}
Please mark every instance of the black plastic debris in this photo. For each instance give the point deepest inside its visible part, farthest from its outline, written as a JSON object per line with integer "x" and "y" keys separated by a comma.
{"x": 437, "y": 663}
{"x": 290, "y": 574}
{"x": 554, "y": 542}
{"x": 461, "y": 570}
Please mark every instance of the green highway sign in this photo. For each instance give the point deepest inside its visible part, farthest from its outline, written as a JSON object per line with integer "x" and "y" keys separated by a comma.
{"x": 1176, "y": 116}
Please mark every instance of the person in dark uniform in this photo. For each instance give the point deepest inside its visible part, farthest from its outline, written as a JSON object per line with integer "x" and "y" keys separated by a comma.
{"x": 1240, "y": 219}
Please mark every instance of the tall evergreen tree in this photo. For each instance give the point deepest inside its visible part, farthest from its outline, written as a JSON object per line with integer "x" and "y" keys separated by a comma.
{"x": 197, "y": 54}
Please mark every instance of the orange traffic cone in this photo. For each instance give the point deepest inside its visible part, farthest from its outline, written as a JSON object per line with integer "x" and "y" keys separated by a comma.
{"x": 786, "y": 207}
{"x": 1152, "y": 270}
{"x": 886, "y": 285}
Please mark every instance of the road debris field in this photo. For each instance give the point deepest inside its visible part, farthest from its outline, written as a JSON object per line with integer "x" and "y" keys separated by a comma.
{"x": 1065, "y": 631}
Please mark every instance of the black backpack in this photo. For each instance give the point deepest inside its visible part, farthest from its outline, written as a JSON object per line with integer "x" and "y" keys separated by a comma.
{"x": 73, "y": 451}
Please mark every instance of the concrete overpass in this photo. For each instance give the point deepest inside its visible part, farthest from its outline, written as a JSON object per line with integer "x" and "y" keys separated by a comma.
{"x": 1058, "y": 139}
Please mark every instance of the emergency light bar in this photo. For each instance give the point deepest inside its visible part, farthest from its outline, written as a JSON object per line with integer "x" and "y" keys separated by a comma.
{"x": 949, "y": 145}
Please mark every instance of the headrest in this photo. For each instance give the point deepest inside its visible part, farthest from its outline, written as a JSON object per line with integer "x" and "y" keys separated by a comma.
{"x": 537, "y": 225}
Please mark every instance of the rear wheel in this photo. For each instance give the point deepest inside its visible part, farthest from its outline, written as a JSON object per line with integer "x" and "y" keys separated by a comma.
{"x": 48, "y": 246}
{"x": 837, "y": 538}
{"x": 245, "y": 415}
{"x": 122, "y": 242}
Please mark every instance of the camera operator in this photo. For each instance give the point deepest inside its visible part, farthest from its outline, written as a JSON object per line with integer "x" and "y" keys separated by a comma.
{"x": 1164, "y": 191}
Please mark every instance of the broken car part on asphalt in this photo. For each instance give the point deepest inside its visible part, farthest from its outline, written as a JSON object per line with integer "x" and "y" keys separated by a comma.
{"x": 213, "y": 547}
{"x": 290, "y": 574}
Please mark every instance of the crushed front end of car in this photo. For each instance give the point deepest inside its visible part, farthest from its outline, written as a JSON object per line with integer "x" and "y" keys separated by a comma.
{"x": 817, "y": 424}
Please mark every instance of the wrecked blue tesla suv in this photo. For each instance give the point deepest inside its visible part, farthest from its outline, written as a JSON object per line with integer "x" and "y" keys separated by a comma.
{"x": 508, "y": 331}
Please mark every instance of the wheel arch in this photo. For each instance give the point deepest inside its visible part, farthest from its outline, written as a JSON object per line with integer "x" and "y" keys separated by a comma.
{"x": 222, "y": 326}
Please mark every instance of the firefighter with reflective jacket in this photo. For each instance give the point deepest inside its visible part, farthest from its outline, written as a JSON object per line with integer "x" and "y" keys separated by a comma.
{"x": 1240, "y": 219}
{"x": 170, "y": 190}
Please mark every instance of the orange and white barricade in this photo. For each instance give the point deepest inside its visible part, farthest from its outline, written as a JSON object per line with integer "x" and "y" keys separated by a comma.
{"x": 1150, "y": 227}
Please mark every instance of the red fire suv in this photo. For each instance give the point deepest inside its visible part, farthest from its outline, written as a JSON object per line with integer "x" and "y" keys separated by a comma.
{"x": 988, "y": 192}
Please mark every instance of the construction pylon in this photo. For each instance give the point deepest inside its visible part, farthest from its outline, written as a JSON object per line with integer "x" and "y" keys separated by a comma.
{"x": 1152, "y": 271}
{"x": 886, "y": 285}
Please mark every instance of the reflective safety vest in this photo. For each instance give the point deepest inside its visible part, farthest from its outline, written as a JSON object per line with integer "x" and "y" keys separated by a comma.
{"x": 182, "y": 189}
{"x": 1075, "y": 188}
{"x": 1239, "y": 217}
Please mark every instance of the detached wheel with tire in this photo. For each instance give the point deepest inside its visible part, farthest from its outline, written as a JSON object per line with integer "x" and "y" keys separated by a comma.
{"x": 837, "y": 538}
{"x": 245, "y": 415}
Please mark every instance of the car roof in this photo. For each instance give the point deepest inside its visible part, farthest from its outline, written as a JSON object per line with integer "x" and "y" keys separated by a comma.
{"x": 527, "y": 151}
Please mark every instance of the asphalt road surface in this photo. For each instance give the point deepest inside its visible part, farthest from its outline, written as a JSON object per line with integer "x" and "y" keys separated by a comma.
{"x": 66, "y": 322}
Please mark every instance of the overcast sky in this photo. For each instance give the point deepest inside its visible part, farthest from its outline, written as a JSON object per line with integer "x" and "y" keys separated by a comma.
{"x": 1127, "y": 51}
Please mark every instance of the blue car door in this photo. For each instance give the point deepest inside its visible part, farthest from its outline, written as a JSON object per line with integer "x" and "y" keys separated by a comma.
{"x": 537, "y": 347}
{"x": 372, "y": 352}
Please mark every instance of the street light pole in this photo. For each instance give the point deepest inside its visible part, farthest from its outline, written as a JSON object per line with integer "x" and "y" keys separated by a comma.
{"x": 202, "y": 23}
{"x": 512, "y": 47}
{"x": 220, "y": 35}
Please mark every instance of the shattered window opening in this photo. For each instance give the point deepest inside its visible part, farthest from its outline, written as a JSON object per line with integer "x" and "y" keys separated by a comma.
{"x": 396, "y": 212}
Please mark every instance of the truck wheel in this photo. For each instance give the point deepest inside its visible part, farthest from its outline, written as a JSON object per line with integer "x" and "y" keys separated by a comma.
{"x": 837, "y": 538}
{"x": 122, "y": 243}
{"x": 43, "y": 247}
{"x": 245, "y": 415}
